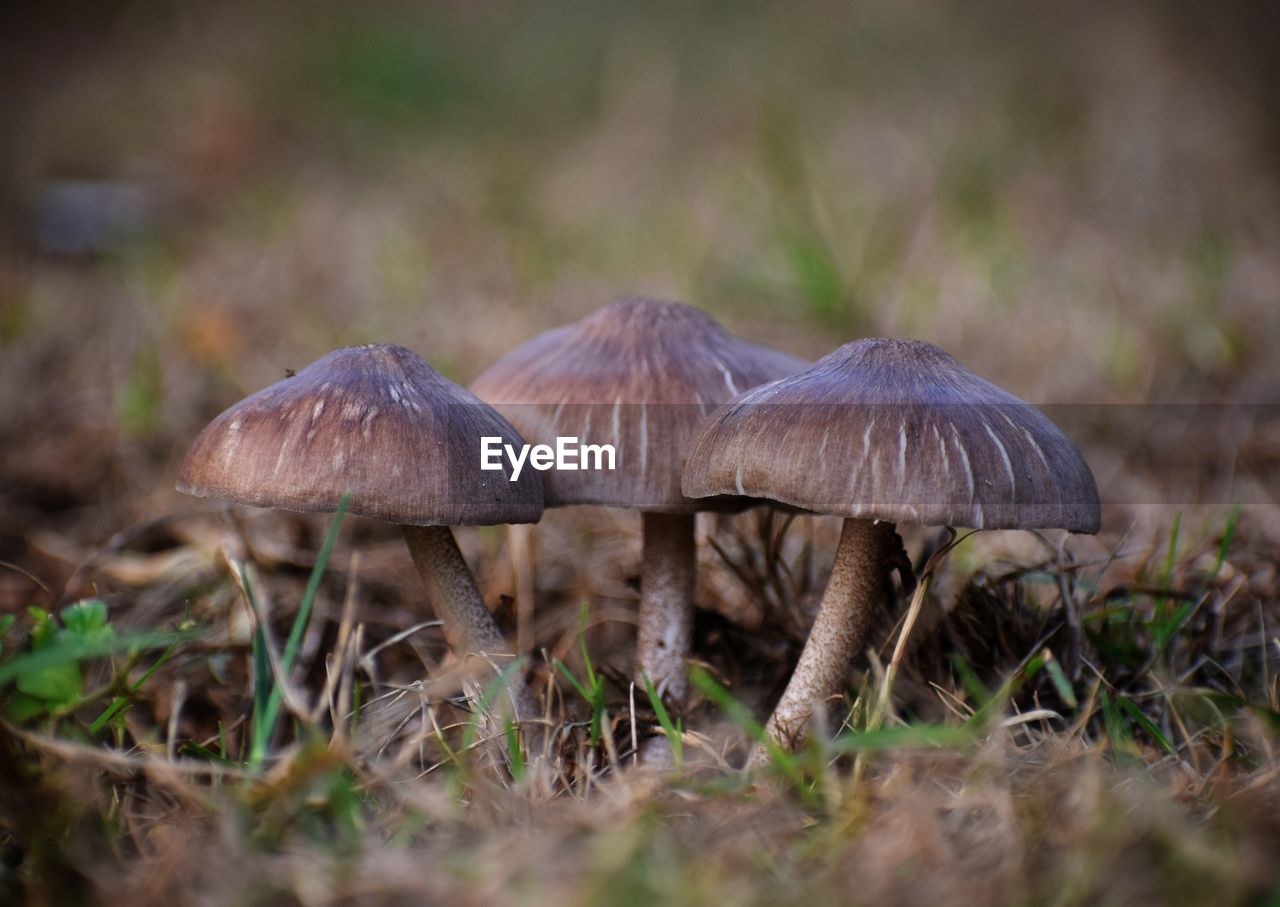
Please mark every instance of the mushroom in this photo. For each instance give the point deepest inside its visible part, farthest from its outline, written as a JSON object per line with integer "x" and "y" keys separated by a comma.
{"x": 883, "y": 432}
{"x": 642, "y": 375}
{"x": 380, "y": 425}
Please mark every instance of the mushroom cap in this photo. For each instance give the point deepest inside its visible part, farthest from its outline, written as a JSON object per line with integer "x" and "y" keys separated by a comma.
{"x": 375, "y": 421}
{"x": 640, "y": 374}
{"x": 895, "y": 430}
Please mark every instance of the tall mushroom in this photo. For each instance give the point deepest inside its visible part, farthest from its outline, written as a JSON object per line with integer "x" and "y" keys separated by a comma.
{"x": 377, "y": 423}
{"x": 642, "y": 375}
{"x": 883, "y": 432}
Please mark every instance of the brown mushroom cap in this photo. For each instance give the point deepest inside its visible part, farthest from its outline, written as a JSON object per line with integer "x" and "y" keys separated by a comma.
{"x": 895, "y": 430}
{"x": 641, "y": 374}
{"x": 375, "y": 421}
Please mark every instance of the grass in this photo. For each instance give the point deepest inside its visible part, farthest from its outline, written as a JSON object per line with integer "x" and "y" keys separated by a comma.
{"x": 671, "y": 730}
{"x": 270, "y": 674}
{"x": 1055, "y": 790}
{"x": 241, "y": 707}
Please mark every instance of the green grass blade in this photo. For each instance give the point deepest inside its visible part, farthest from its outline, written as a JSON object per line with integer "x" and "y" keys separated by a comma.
{"x": 1144, "y": 722}
{"x": 7, "y": 622}
{"x": 1118, "y": 733}
{"x": 267, "y": 712}
{"x": 1000, "y": 698}
{"x": 582, "y": 645}
{"x": 593, "y": 689}
{"x": 119, "y": 702}
{"x": 565, "y": 670}
{"x": 1166, "y": 578}
{"x": 1061, "y": 682}
{"x": 515, "y": 753}
{"x": 1228, "y": 535}
{"x": 1171, "y": 556}
{"x": 263, "y": 682}
{"x": 490, "y": 692}
{"x": 301, "y": 619}
{"x": 673, "y": 733}
{"x": 357, "y": 700}
{"x": 905, "y": 736}
{"x": 192, "y": 748}
{"x": 785, "y": 763}
{"x": 974, "y": 687}
{"x": 1168, "y": 629}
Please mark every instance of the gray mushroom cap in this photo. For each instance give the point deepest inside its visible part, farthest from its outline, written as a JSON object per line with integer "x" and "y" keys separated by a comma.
{"x": 895, "y": 430}
{"x": 375, "y": 421}
{"x": 640, "y": 374}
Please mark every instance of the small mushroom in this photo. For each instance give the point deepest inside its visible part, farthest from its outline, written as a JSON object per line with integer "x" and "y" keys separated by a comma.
{"x": 377, "y": 423}
{"x": 641, "y": 375}
{"x": 883, "y": 432}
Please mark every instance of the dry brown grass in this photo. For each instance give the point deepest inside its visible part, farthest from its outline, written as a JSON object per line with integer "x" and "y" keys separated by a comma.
{"x": 1080, "y": 206}
{"x": 1048, "y": 801}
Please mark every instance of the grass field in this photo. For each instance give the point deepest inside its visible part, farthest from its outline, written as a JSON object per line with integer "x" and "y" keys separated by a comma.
{"x": 1080, "y": 204}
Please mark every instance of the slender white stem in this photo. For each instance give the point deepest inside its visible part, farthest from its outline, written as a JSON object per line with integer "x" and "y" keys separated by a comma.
{"x": 669, "y": 575}
{"x": 468, "y": 625}
{"x": 853, "y": 591}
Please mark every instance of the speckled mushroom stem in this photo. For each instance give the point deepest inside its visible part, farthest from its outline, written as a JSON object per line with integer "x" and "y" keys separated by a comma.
{"x": 668, "y": 577}
{"x": 468, "y": 625}
{"x": 863, "y": 557}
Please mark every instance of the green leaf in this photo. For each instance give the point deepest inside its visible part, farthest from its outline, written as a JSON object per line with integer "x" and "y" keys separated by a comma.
{"x": 42, "y": 628}
{"x": 72, "y": 648}
{"x": 86, "y": 618}
{"x": 22, "y": 708}
{"x": 56, "y": 684}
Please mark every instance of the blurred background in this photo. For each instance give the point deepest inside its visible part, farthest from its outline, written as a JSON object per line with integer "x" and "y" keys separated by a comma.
{"x": 1081, "y": 201}
{"x": 1077, "y": 200}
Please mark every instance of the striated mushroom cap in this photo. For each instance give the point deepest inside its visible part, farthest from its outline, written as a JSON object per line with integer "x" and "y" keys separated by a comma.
{"x": 640, "y": 374}
{"x": 375, "y": 421}
{"x": 895, "y": 430}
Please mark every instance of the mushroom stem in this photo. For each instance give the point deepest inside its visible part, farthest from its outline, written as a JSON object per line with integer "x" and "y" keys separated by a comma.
{"x": 853, "y": 591}
{"x": 452, "y": 591}
{"x": 668, "y": 577}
